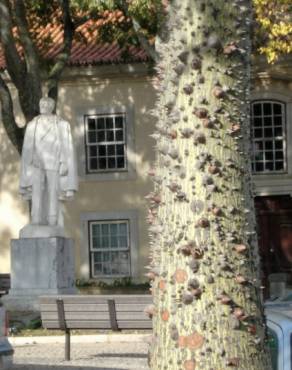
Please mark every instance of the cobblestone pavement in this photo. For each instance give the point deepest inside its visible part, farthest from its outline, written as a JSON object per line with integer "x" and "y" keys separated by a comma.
{"x": 97, "y": 356}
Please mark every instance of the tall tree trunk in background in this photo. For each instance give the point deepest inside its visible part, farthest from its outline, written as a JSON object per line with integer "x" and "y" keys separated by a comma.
{"x": 207, "y": 311}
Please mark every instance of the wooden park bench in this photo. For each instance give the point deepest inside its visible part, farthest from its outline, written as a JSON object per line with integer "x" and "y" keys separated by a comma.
{"x": 4, "y": 284}
{"x": 112, "y": 312}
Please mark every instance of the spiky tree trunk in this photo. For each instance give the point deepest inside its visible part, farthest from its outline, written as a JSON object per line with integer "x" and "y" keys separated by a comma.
{"x": 207, "y": 311}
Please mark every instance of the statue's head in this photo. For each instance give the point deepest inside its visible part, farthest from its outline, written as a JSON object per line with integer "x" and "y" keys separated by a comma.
{"x": 47, "y": 105}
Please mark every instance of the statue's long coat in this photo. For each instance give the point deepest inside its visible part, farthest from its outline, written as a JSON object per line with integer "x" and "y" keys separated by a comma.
{"x": 68, "y": 182}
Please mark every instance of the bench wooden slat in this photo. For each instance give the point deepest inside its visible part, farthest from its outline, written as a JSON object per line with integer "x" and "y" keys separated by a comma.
{"x": 147, "y": 324}
{"x": 95, "y": 316}
{"x": 76, "y": 316}
{"x": 100, "y": 299}
{"x": 75, "y": 307}
{"x": 51, "y": 324}
{"x": 52, "y": 307}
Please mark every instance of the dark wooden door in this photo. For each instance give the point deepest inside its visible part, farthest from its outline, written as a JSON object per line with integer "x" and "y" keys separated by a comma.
{"x": 274, "y": 219}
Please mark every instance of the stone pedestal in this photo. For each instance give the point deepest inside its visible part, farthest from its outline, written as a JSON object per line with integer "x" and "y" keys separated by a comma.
{"x": 40, "y": 266}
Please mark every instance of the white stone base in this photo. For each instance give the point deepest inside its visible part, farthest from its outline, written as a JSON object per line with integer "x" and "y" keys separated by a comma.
{"x": 39, "y": 266}
{"x": 41, "y": 231}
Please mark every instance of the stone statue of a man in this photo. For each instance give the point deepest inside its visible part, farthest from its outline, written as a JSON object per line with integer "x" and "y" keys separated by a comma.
{"x": 48, "y": 171}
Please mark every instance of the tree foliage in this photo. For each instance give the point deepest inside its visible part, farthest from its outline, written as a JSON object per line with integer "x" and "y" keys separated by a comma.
{"x": 24, "y": 42}
{"x": 126, "y": 22}
{"x": 274, "y": 33}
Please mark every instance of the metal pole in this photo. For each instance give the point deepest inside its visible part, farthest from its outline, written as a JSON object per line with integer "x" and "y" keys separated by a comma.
{"x": 67, "y": 345}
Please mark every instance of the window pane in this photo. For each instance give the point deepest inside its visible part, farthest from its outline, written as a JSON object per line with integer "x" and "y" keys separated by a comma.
{"x": 269, "y": 166}
{"x": 257, "y": 109}
{"x": 278, "y": 121}
{"x": 259, "y": 167}
{"x": 119, "y": 121}
{"x": 123, "y": 242}
{"x": 269, "y": 145}
{"x": 269, "y": 156}
{"x": 105, "y": 242}
{"x": 267, "y": 108}
{"x": 279, "y": 155}
{"x": 101, "y": 136}
{"x": 123, "y": 229}
{"x": 114, "y": 241}
{"x": 119, "y": 135}
{"x": 278, "y": 144}
{"x": 120, "y": 149}
{"x": 109, "y": 136}
{"x": 112, "y": 162}
{"x": 257, "y": 122}
{"x": 106, "y": 256}
{"x": 124, "y": 256}
{"x": 279, "y": 166}
{"x": 93, "y": 151}
{"x": 268, "y": 132}
{"x": 91, "y": 124}
{"x": 97, "y": 269}
{"x": 100, "y": 124}
{"x": 102, "y": 150}
{"x": 102, "y": 163}
{"x": 106, "y": 270}
{"x": 93, "y": 163}
{"x": 109, "y": 123}
{"x": 97, "y": 257}
{"x": 91, "y": 136}
{"x": 95, "y": 242}
{"x": 278, "y": 131}
{"x": 116, "y": 270}
{"x": 258, "y": 133}
{"x": 120, "y": 162}
{"x": 111, "y": 150}
{"x": 267, "y": 121}
{"x": 105, "y": 229}
{"x": 259, "y": 156}
{"x": 114, "y": 229}
{"x": 277, "y": 109}
{"x": 115, "y": 257}
{"x": 95, "y": 229}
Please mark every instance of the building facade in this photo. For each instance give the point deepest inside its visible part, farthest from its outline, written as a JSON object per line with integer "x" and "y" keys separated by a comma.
{"x": 109, "y": 111}
{"x": 108, "y": 108}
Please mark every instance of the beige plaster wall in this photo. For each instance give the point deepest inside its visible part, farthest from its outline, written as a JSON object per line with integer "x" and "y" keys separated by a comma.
{"x": 79, "y": 94}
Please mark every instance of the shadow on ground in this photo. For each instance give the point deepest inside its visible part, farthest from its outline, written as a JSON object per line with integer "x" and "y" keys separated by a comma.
{"x": 126, "y": 355}
{"x": 60, "y": 367}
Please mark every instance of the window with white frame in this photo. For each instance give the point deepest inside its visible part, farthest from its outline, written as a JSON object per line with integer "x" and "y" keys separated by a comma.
{"x": 110, "y": 248}
{"x": 105, "y": 142}
{"x": 268, "y": 126}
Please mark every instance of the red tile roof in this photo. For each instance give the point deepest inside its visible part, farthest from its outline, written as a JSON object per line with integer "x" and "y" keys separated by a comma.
{"x": 86, "y": 50}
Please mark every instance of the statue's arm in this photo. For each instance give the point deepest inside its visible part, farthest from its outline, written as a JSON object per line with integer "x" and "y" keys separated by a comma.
{"x": 25, "y": 182}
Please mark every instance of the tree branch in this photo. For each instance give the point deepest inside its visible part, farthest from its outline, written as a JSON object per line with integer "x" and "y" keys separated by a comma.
{"x": 14, "y": 132}
{"x": 150, "y": 50}
{"x": 15, "y": 65}
{"x": 82, "y": 20}
{"x": 32, "y": 91}
{"x": 31, "y": 56}
{"x": 64, "y": 55}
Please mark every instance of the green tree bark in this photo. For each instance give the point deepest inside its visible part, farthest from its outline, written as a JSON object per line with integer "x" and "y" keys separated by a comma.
{"x": 207, "y": 311}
